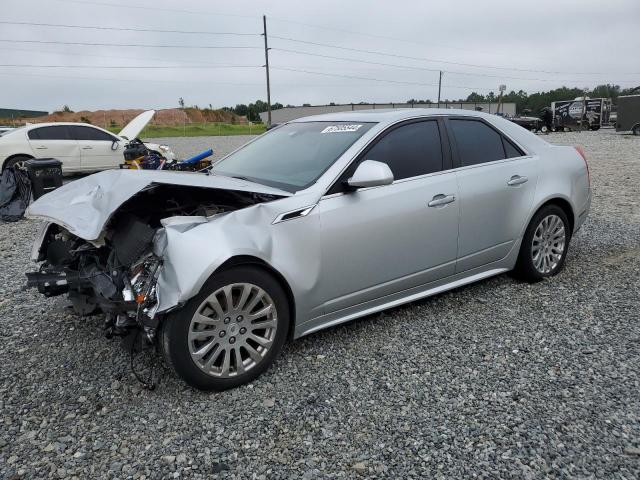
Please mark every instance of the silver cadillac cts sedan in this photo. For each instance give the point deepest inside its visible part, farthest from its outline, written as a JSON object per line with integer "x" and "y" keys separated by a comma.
{"x": 317, "y": 222}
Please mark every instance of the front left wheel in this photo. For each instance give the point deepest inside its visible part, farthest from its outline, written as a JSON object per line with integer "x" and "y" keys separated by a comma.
{"x": 230, "y": 332}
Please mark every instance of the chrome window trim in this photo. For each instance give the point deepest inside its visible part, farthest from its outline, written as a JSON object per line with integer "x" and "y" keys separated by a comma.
{"x": 395, "y": 182}
{"x": 432, "y": 174}
{"x": 494, "y": 162}
{"x": 434, "y": 117}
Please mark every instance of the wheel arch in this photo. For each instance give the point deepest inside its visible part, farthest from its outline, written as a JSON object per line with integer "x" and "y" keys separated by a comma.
{"x": 27, "y": 155}
{"x": 260, "y": 263}
{"x": 561, "y": 202}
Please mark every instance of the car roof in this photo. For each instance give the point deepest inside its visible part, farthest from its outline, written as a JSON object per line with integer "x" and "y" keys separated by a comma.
{"x": 55, "y": 124}
{"x": 384, "y": 117}
{"x": 390, "y": 115}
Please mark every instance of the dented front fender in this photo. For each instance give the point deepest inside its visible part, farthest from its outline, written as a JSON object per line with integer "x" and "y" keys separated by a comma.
{"x": 193, "y": 250}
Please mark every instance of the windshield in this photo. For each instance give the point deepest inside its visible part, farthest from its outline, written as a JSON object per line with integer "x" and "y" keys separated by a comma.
{"x": 293, "y": 156}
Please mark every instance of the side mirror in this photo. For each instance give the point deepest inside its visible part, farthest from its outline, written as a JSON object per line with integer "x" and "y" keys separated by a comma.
{"x": 371, "y": 174}
{"x": 114, "y": 145}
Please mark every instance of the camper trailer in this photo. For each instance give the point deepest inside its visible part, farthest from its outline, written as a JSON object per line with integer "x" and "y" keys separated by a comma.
{"x": 628, "y": 118}
{"x": 572, "y": 114}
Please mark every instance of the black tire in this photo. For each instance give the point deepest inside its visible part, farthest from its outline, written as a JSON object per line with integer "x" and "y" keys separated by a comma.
{"x": 12, "y": 161}
{"x": 174, "y": 341}
{"x": 636, "y": 130}
{"x": 525, "y": 268}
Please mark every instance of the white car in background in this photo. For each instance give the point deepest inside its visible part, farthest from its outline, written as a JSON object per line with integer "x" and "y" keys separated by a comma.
{"x": 80, "y": 147}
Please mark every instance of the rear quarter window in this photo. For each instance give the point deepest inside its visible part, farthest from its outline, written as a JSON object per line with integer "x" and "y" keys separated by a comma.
{"x": 511, "y": 150}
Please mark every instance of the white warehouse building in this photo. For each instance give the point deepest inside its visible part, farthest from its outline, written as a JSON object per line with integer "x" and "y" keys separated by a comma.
{"x": 287, "y": 114}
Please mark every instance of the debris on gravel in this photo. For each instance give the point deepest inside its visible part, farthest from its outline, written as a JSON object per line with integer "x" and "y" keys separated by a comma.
{"x": 185, "y": 147}
{"x": 496, "y": 379}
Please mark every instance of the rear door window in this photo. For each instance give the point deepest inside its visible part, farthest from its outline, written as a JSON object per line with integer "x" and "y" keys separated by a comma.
{"x": 90, "y": 133}
{"x": 477, "y": 142}
{"x": 56, "y": 132}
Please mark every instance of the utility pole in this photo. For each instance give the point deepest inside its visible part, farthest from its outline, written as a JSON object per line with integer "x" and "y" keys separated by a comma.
{"x": 439, "y": 87}
{"x": 266, "y": 59}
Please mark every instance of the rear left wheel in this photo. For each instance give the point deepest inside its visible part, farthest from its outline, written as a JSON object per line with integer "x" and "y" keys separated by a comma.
{"x": 230, "y": 332}
{"x": 545, "y": 245}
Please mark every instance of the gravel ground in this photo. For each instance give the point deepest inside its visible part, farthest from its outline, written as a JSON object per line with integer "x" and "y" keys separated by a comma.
{"x": 497, "y": 379}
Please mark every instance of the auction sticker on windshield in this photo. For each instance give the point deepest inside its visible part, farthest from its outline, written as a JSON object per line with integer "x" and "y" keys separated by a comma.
{"x": 341, "y": 128}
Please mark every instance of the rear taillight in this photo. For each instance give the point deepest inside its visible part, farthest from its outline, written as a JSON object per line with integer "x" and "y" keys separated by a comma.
{"x": 580, "y": 150}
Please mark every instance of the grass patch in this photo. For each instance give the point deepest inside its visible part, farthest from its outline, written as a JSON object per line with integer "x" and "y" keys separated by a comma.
{"x": 198, "y": 130}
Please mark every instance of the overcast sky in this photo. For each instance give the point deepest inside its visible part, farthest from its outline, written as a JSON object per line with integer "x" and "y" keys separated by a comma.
{"x": 545, "y": 44}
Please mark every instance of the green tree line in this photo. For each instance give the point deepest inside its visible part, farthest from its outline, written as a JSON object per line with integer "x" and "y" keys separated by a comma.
{"x": 533, "y": 102}
{"x": 253, "y": 110}
{"x": 536, "y": 101}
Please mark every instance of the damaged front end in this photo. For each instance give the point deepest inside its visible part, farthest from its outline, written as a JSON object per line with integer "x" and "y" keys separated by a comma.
{"x": 117, "y": 278}
{"x": 111, "y": 264}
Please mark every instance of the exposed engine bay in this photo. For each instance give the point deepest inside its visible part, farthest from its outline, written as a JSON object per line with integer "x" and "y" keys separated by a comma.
{"x": 117, "y": 273}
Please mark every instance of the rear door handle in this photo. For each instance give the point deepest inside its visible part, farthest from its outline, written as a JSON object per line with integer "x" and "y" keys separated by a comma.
{"x": 41, "y": 147}
{"x": 441, "y": 199}
{"x": 87, "y": 148}
{"x": 517, "y": 180}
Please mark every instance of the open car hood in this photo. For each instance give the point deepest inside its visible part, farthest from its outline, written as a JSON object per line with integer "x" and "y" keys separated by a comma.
{"x": 132, "y": 129}
{"x": 84, "y": 206}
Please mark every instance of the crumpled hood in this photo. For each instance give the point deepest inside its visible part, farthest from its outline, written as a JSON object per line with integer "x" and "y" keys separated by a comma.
{"x": 84, "y": 206}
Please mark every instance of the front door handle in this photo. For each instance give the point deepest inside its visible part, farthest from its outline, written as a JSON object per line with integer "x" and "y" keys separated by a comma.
{"x": 87, "y": 148}
{"x": 517, "y": 180}
{"x": 41, "y": 147}
{"x": 441, "y": 199}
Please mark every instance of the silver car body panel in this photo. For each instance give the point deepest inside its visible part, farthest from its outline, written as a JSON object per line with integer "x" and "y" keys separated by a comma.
{"x": 351, "y": 254}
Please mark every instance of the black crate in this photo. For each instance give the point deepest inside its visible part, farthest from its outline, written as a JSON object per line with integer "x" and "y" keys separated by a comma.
{"x": 45, "y": 175}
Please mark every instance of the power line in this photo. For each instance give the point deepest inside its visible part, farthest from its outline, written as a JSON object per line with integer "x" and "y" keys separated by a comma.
{"x": 119, "y": 57}
{"x": 181, "y": 82}
{"x": 414, "y": 67}
{"x": 386, "y": 37}
{"x": 131, "y": 66}
{"x": 155, "y": 8}
{"x": 373, "y": 52}
{"x": 126, "y": 29}
{"x": 375, "y": 79}
{"x": 95, "y": 44}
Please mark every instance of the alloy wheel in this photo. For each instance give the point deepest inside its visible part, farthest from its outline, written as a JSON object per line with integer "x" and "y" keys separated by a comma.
{"x": 548, "y": 244}
{"x": 232, "y": 330}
